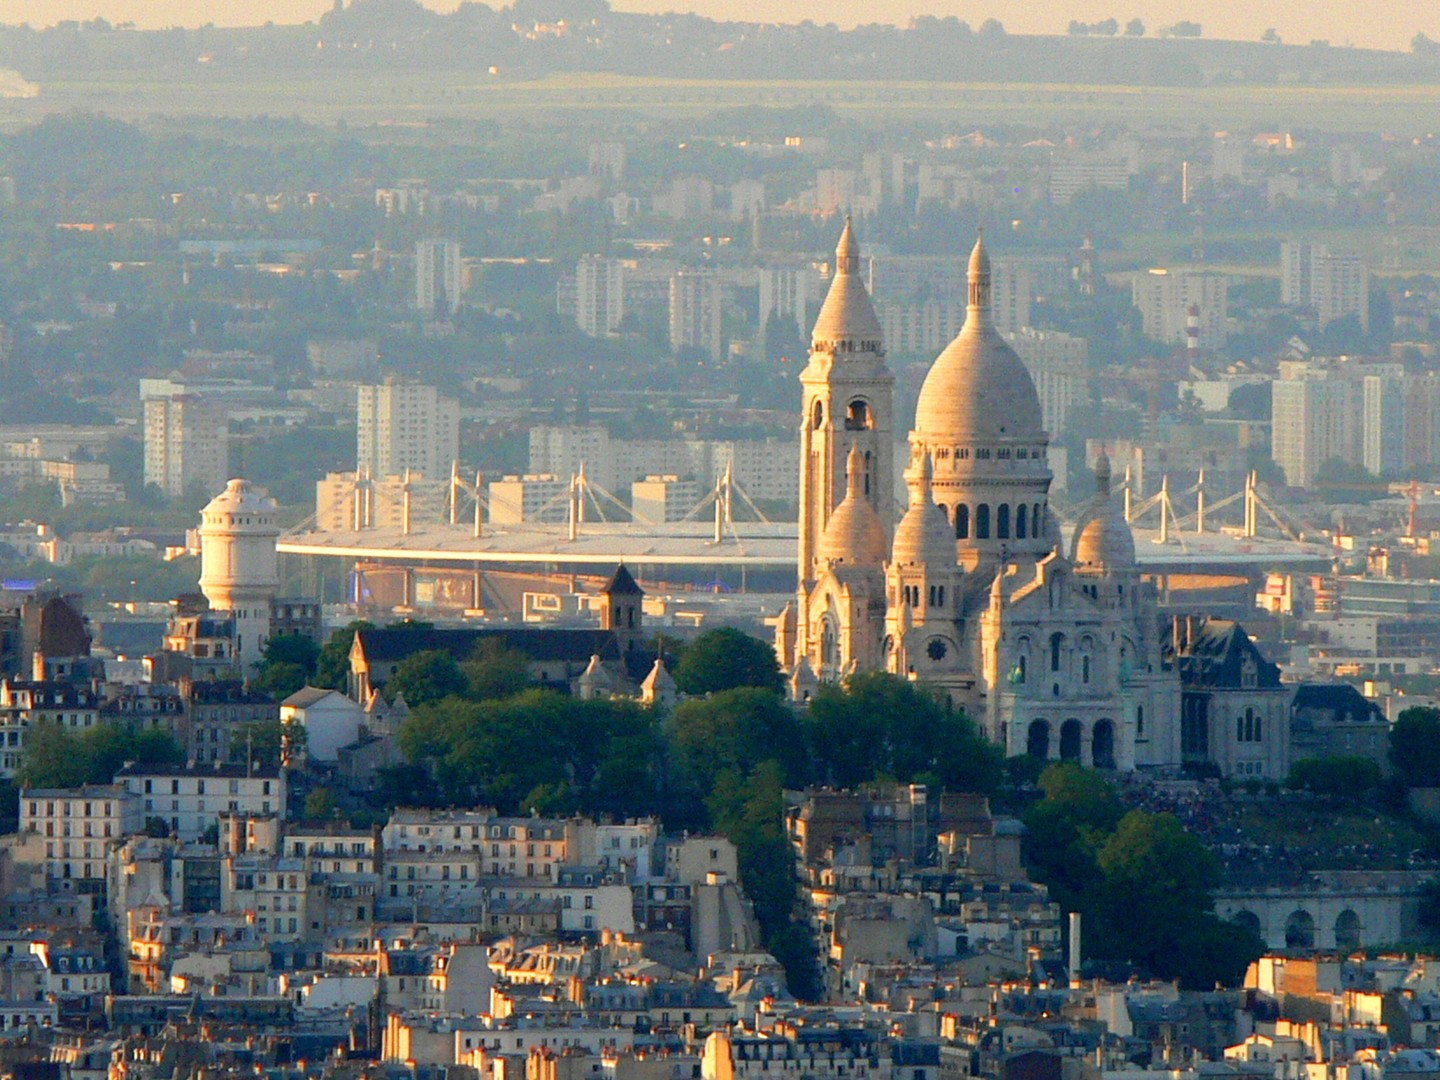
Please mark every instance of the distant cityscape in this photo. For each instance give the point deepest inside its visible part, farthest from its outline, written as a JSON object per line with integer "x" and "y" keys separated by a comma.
{"x": 575, "y": 544}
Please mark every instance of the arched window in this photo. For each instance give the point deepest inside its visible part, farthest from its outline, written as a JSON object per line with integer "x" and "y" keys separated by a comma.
{"x": 1037, "y": 740}
{"x": 1139, "y": 720}
{"x": 1259, "y": 735}
{"x": 857, "y": 416}
{"x": 1002, "y": 521}
{"x": 1037, "y": 523}
{"x": 962, "y": 522}
{"x": 1056, "y": 642}
{"x": 1085, "y": 670}
{"x": 982, "y": 522}
{"x": 817, "y": 416}
{"x": 1020, "y": 669}
{"x": 1020, "y": 521}
{"x": 868, "y": 466}
{"x": 1239, "y": 729}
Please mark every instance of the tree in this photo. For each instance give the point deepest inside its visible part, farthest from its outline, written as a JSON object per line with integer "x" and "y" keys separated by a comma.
{"x": 425, "y": 677}
{"x": 1270, "y": 37}
{"x": 1340, "y": 481}
{"x": 280, "y": 679}
{"x": 332, "y": 666}
{"x": 495, "y": 671}
{"x": 1423, "y": 45}
{"x": 736, "y": 730}
{"x": 726, "y": 658}
{"x": 295, "y": 649}
{"x": 1415, "y": 746}
{"x": 320, "y": 804}
{"x": 1135, "y": 28}
{"x": 992, "y": 28}
{"x": 880, "y": 726}
{"x": 1428, "y": 911}
{"x": 1346, "y": 777}
{"x": 57, "y": 756}
{"x": 749, "y": 811}
{"x": 268, "y": 743}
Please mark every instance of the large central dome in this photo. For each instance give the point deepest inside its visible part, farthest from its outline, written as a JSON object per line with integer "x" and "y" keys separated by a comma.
{"x": 977, "y": 389}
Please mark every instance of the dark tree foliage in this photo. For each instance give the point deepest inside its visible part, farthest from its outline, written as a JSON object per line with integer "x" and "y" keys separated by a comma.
{"x": 426, "y": 677}
{"x": 1415, "y": 746}
{"x": 1340, "y": 777}
{"x": 724, "y": 659}
{"x": 880, "y": 726}
{"x": 749, "y": 811}
{"x": 1141, "y": 882}
{"x": 56, "y": 756}
{"x": 493, "y": 671}
{"x": 736, "y": 731}
{"x": 537, "y": 746}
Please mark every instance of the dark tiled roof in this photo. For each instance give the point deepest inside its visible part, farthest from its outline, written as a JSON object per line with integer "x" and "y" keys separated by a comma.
{"x": 622, "y": 584}
{"x": 1342, "y": 699}
{"x": 1211, "y": 652}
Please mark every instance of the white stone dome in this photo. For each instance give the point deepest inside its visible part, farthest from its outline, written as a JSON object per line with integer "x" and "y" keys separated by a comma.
{"x": 1103, "y": 540}
{"x": 977, "y": 390}
{"x": 855, "y": 534}
{"x": 924, "y": 536}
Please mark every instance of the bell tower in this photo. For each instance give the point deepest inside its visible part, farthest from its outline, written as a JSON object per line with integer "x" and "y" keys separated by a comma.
{"x": 847, "y": 393}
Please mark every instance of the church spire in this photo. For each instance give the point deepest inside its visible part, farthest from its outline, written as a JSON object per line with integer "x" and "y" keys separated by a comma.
{"x": 847, "y": 251}
{"x": 980, "y": 275}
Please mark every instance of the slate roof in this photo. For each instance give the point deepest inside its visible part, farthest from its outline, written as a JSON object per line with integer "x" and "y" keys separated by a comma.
{"x": 1211, "y": 653}
{"x": 622, "y": 584}
{"x": 569, "y": 645}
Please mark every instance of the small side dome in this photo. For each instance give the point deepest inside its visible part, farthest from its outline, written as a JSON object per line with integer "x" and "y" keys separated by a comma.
{"x": 1103, "y": 540}
{"x": 923, "y": 537}
{"x": 855, "y": 534}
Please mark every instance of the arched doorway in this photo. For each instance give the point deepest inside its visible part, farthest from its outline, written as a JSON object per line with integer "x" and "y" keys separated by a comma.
{"x": 1347, "y": 931}
{"x": 1250, "y": 921}
{"x": 1071, "y": 738}
{"x": 1102, "y": 750}
{"x": 1037, "y": 742}
{"x": 1300, "y": 930}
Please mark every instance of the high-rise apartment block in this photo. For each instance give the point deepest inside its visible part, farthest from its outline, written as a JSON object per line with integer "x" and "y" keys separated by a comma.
{"x": 1314, "y": 418}
{"x": 1334, "y": 285}
{"x": 402, "y": 426}
{"x": 439, "y": 276}
{"x": 187, "y": 442}
{"x": 695, "y": 310}
{"x": 1165, "y": 297}
{"x": 599, "y": 295}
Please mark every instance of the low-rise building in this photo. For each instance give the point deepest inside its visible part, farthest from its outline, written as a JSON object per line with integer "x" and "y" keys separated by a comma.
{"x": 190, "y": 798}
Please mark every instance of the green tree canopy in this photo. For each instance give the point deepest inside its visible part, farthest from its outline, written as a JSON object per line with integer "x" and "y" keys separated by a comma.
{"x": 1339, "y": 776}
{"x": 734, "y": 730}
{"x": 724, "y": 659}
{"x": 425, "y": 677}
{"x": 57, "y": 756}
{"x": 1415, "y": 746}
{"x": 879, "y": 726}
{"x": 494, "y": 671}
{"x": 518, "y": 751}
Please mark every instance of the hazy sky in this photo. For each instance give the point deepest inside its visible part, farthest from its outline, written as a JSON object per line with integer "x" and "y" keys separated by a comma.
{"x": 1375, "y": 23}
